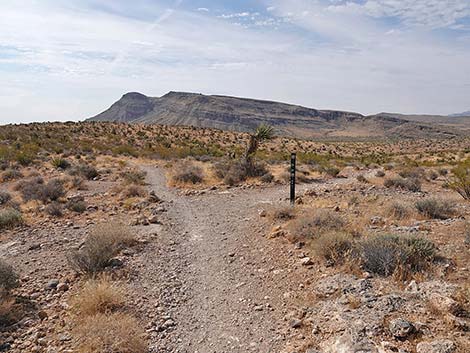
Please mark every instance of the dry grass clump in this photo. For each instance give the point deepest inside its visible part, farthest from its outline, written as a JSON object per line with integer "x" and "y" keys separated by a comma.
{"x": 110, "y": 333}
{"x": 99, "y": 296}
{"x": 385, "y": 254}
{"x": 134, "y": 191}
{"x": 435, "y": 208}
{"x": 311, "y": 226}
{"x": 187, "y": 173}
{"x": 54, "y": 209}
{"x": 133, "y": 176}
{"x": 413, "y": 173}
{"x": 462, "y": 297}
{"x": 8, "y": 277}
{"x": 103, "y": 243}
{"x": 283, "y": 213}
{"x": 77, "y": 206}
{"x": 398, "y": 210}
{"x": 410, "y": 184}
{"x": 333, "y": 247}
{"x": 8, "y": 280}
{"x": 9, "y": 218}
{"x": 235, "y": 172}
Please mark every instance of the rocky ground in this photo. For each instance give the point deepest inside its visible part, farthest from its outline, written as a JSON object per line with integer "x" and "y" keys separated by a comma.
{"x": 210, "y": 274}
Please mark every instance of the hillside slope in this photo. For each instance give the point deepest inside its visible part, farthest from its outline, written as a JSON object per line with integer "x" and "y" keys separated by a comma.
{"x": 242, "y": 114}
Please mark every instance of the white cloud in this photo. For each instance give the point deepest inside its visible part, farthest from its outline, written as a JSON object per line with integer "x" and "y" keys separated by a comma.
{"x": 70, "y": 62}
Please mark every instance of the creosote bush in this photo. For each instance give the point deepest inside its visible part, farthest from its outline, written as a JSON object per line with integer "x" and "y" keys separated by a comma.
{"x": 9, "y": 218}
{"x": 461, "y": 181}
{"x": 188, "y": 173}
{"x": 435, "y": 208}
{"x": 99, "y": 296}
{"x": 110, "y": 333}
{"x": 104, "y": 242}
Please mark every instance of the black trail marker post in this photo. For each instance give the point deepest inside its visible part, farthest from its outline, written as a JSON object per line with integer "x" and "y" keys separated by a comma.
{"x": 292, "y": 178}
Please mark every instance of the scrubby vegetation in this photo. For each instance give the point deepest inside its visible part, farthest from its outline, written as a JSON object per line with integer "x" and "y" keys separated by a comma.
{"x": 103, "y": 243}
{"x": 436, "y": 208}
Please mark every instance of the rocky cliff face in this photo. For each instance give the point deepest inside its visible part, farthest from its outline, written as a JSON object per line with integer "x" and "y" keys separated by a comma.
{"x": 241, "y": 114}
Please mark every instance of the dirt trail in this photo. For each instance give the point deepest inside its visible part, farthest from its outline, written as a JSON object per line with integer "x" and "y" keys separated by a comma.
{"x": 219, "y": 284}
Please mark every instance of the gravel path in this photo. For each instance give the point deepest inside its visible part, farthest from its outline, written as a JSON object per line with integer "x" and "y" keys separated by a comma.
{"x": 219, "y": 284}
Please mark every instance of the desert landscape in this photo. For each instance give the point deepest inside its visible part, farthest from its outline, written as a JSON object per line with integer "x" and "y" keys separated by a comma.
{"x": 121, "y": 237}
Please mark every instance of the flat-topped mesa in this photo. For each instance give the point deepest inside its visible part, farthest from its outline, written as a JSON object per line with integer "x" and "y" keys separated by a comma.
{"x": 245, "y": 115}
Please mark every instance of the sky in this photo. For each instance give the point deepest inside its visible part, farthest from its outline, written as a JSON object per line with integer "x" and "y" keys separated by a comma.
{"x": 71, "y": 59}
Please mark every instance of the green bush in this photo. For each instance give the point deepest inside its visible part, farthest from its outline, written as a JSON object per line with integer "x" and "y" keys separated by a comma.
{"x": 60, "y": 163}
{"x": 9, "y": 218}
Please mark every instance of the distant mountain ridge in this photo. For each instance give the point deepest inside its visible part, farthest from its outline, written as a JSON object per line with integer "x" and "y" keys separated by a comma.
{"x": 463, "y": 114}
{"x": 244, "y": 115}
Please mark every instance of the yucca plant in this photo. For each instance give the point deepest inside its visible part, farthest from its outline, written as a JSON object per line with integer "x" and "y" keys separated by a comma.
{"x": 262, "y": 133}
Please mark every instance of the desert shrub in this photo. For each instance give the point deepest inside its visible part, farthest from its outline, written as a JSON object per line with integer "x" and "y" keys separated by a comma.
{"x": 442, "y": 171}
{"x": 8, "y": 277}
{"x": 462, "y": 297}
{"x": 411, "y": 184}
{"x": 332, "y": 247}
{"x": 398, "y": 210}
{"x": 415, "y": 173}
{"x": 435, "y": 208}
{"x": 98, "y": 296}
{"x": 104, "y": 242}
{"x": 361, "y": 178}
{"x": 187, "y": 172}
{"x": 312, "y": 226}
{"x": 54, "y": 209}
{"x": 327, "y": 220}
{"x": 85, "y": 170}
{"x": 267, "y": 178}
{"x": 432, "y": 175}
{"x": 60, "y": 163}
{"x": 53, "y": 190}
{"x": 110, "y": 333}
{"x": 8, "y": 311}
{"x": 77, "y": 182}
{"x": 77, "y": 206}
{"x": 380, "y": 174}
{"x": 5, "y": 197}
{"x": 330, "y": 170}
{"x": 383, "y": 255}
{"x": 388, "y": 166}
{"x": 9, "y": 218}
{"x": 461, "y": 181}
{"x": 133, "y": 176}
{"x": 353, "y": 201}
{"x": 11, "y": 174}
{"x": 134, "y": 191}
{"x": 35, "y": 189}
{"x": 283, "y": 213}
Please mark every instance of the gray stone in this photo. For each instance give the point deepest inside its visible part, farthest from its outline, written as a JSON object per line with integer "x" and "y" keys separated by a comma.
{"x": 438, "y": 346}
{"x": 401, "y": 328}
